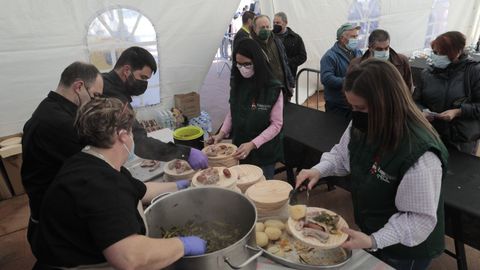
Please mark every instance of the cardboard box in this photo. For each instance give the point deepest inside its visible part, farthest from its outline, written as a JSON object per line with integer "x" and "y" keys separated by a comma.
{"x": 189, "y": 104}
{"x": 12, "y": 162}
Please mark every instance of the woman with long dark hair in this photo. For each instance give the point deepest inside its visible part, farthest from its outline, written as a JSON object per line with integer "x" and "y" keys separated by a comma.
{"x": 255, "y": 118}
{"x": 396, "y": 161}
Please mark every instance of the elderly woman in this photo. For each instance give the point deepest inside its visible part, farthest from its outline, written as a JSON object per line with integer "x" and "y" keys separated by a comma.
{"x": 450, "y": 90}
{"x": 92, "y": 215}
{"x": 396, "y": 162}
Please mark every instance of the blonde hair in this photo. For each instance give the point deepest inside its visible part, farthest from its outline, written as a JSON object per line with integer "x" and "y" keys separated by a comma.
{"x": 99, "y": 121}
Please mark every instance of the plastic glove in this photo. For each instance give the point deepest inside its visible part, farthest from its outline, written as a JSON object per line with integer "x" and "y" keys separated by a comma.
{"x": 197, "y": 159}
{"x": 193, "y": 245}
{"x": 182, "y": 184}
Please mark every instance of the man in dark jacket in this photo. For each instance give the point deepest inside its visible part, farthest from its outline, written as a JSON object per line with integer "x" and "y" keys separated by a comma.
{"x": 274, "y": 53}
{"x": 379, "y": 47}
{"x": 129, "y": 78}
{"x": 293, "y": 43}
{"x": 333, "y": 67}
{"x": 244, "y": 32}
{"x": 49, "y": 137}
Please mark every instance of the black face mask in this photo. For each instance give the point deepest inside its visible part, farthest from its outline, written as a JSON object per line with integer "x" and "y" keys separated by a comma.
{"x": 136, "y": 87}
{"x": 360, "y": 121}
{"x": 277, "y": 29}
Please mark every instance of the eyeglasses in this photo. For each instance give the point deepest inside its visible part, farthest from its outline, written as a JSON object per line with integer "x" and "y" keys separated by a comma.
{"x": 247, "y": 65}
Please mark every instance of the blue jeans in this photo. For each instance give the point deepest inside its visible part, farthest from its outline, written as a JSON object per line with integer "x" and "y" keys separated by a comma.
{"x": 268, "y": 171}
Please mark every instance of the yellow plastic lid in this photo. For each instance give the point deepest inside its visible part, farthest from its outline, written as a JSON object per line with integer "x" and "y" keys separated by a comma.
{"x": 188, "y": 133}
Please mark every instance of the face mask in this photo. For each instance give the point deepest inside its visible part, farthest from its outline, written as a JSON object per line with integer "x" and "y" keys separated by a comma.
{"x": 352, "y": 44}
{"x": 440, "y": 61}
{"x": 136, "y": 87}
{"x": 360, "y": 121}
{"x": 277, "y": 29}
{"x": 246, "y": 72}
{"x": 131, "y": 153}
{"x": 382, "y": 55}
{"x": 264, "y": 34}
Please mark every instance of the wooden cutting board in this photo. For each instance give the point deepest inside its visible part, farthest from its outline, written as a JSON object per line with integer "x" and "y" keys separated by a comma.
{"x": 11, "y": 141}
{"x": 223, "y": 182}
{"x": 247, "y": 175}
{"x": 335, "y": 240}
{"x": 269, "y": 194}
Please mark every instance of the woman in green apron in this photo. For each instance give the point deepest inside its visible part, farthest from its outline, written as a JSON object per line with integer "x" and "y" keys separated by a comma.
{"x": 396, "y": 161}
{"x": 92, "y": 215}
{"x": 255, "y": 118}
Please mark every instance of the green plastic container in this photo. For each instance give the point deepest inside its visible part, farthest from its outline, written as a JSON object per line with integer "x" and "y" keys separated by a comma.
{"x": 190, "y": 136}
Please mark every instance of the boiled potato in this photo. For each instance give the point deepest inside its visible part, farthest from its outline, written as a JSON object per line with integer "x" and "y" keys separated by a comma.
{"x": 262, "y": 239}
{"x": 259, "y": 227}
{"x": 275, "y": 223}
{"x": 273, "y": 233}
{"x": 298, "y": 211}
{"x": 276, "y": 250}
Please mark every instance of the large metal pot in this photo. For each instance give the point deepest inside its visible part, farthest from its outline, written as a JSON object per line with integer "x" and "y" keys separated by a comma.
{"x": 208, "y": 204}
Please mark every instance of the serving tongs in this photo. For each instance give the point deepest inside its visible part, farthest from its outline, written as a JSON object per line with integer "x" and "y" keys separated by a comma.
{"x": 294, "y": 193}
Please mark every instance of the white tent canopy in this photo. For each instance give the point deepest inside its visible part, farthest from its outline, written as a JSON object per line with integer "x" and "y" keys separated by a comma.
{"x": 40, "y": 38}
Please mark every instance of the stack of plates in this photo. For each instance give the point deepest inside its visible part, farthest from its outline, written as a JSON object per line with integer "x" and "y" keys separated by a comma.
{"x": 224, "y": 182}
{"x": 269, "y": 196}
{"x": 171, "y": 175}
{"x": 248, "y": 175}
{"x": 222, "y": 160}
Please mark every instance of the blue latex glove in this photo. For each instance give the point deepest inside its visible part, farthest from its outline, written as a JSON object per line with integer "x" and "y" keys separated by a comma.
{"x": 197, "y": 159}
{"x": 193, "y": 245}
{"x": 182, "y": 184}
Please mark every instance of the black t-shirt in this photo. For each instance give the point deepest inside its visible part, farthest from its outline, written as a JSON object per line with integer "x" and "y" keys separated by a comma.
{"x": 49, "y": 138}
{"x": 88, "y": 207}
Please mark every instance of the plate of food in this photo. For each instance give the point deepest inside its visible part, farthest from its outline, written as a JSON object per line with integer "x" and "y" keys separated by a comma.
{"x": 219, "y": 150}
{"x": 178, "y": 169}
{"x": 215, "y": 176}
{"x": 278, "y": 244}
{"x": 317, "y": 227}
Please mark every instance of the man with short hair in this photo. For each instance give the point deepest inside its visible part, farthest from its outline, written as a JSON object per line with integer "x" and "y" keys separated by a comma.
{"x": 379, "y": 47}
{"x": 244, "y": 32}
{"x": 274, "y": 53}
{"x": 49, "y": 137}
{"x": 293, "y": 43}
{"x": 333, "y": 67}
{"x": 129, "y": 78}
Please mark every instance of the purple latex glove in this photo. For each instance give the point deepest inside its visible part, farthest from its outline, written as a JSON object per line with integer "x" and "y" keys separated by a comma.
{"x": 193, "y": 245}
{"x": 182, "y": 184}
{"x": 197, "y": 159}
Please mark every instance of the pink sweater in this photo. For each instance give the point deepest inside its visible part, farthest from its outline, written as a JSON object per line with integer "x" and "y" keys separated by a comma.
{"x": 276, "y": 123}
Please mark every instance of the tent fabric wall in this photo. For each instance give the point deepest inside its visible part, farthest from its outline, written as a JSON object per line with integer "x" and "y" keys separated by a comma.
{"x": 40, "y": 38}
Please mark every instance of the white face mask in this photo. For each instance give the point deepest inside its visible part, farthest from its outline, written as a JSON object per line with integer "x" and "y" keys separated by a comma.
{"x": 246, "y": 72}
{"x": 382, "y": 55}
{"x": 440, "y": 61}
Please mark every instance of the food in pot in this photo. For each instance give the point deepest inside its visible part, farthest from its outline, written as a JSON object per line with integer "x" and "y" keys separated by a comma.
{"x": 209, "y": 176}
{"x": 218, "y": 235}
{"x": 261, "y": 238}
{"x": 273, "y": 233}
{"x": 217, "y": 150}
{"x": 275, "y": 223}
{"x": 179, "y": 166}
{"x": 259, "y": 227}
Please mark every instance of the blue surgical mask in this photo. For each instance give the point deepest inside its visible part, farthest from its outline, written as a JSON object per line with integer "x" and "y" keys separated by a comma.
{"x": 382, "y": 55}
{"x": 131, "y": 152}
{"x": 352, "y": 43}
{"x": 440, "y": 61}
